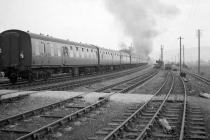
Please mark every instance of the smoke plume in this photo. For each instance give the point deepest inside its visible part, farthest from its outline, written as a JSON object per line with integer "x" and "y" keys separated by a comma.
{"x": 125, "y": 48}
{"x": 139, "y": 18}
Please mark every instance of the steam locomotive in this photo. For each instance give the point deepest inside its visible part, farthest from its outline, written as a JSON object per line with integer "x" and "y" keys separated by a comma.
{"x": 33, "y": 56}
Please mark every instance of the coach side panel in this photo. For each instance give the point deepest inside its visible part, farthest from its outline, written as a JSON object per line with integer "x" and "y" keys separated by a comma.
{"x": 45, "y": 53}
{"x": 55, "y": 54}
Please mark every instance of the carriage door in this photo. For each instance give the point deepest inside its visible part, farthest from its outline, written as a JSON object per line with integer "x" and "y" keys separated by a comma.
{"x": 42, "y": 50}
{"x": 11, "y": 49}
{"x": 65, "y": 55}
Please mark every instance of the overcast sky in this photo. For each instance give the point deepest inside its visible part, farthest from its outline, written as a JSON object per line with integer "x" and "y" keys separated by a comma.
{"x": 101, "y": 22}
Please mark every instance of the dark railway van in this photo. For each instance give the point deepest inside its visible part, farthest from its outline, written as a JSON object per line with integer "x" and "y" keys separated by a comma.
{"x": 33, "y": 56}
{"x": 15, "y": 53}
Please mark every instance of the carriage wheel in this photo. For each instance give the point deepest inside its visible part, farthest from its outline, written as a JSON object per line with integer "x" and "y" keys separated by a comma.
{"x": 13, "y": 78}
{"x": 30, "y": 77}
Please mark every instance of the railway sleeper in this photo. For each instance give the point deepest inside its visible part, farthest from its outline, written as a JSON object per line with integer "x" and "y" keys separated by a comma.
{"x": 135, "y": 129}
{"x": 196, "y": 137}
{"x": 146, "y": 117}
{"x": 114, "y": 124}
{"x": 147, "y": 114}
{"x": 15, "y": 131}
{"x": 198, "y": 128}
{"x": 131, "y": 135}
{"x": 129, "y": 111}
{"x": 196, "y": 119}
{"x": 195, "y": 124}
{"x": 51, "y": 116}
{"x": 93, "y": 138}
{"x": 143, "y": 122}
{"x": 150, "y": 111}
{"x": 102, "y": 133}
{"x": 172, "y": 118}
{"x": 160, "y": 136}
{"x": 169, "y": 115}
{"x": 139, "y": 126}
{"x": 173, "y": 109}
{"x": 126, "y": 114}
{"x": 195, "y": 115}
{"x": 118, "y": 120}
{"x": 198, "y": 132}
{"x": 108, "y": 129}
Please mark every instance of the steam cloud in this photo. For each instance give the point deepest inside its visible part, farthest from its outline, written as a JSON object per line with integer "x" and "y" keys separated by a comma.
{"x": 139, "y": 18}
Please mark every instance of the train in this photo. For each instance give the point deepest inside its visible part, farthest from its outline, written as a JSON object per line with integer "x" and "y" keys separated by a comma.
{"x": 168, "y": 66}
{"x": 33, "y": 56}
{"x": 159, "y": 64}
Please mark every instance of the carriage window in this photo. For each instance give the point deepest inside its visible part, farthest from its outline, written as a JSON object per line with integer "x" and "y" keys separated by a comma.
{"x": 69, "y": 51}
{"x": 42, "y": 48}
{"x": 59, "y": 52}
{"x": 35, "y": 47}
{"x": 52, "y": 51}
{"x": 55, "y": 51}
{"x": 65, "y": 51}
{"x": 77, "y": 48}
{"x": 91, "y": 50}
{"x": 47, "y": 49}
{"x": 37, "y": 50}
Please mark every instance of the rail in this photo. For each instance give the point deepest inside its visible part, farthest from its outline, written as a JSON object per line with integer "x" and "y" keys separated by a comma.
{"x": 116, "y": 130}
{"x": 36, "y": 134}
{"x": 181, "y": 136}
{"x": 203, "y": 79}
{"x": 145, "y": 130}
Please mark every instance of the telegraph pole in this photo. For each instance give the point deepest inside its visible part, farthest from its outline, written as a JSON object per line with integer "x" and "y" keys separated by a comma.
{"x": 161, "y": 56}
{"x": 183, "y": 56}
{"x": 199, "y": 51}
{"x": 180, "y": 54}
{"x": 161, "y": 53}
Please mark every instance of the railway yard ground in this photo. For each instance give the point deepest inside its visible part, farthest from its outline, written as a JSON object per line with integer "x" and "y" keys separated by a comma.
{"x": 102, "y": 109}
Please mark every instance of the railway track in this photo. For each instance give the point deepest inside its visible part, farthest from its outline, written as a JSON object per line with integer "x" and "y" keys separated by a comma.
{"x": 146, "y": 121}
{"x": 65, "y": 85}
{"x": 195, "y": 125}
{"x": 120, "y": 127}
{"x": 143, "y": 122}
{"x": 22, "y": 126}
{"x": 22, "y": 84}
{"x": 126, "y": 86}
{"x": 203, "y": 79}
